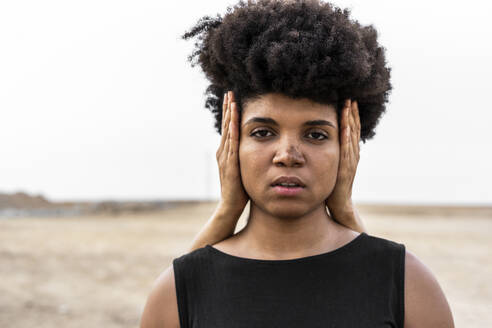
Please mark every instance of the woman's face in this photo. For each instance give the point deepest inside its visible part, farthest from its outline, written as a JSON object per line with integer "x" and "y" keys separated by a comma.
{"x": 277, "y": 139}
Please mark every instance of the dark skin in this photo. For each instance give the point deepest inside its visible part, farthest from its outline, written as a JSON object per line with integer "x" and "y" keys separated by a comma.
{"x": 281, "y": 228}
{"x": 294, "y": 226}
{"x": 349, "y": 136}
{"x": 341, "y": 209}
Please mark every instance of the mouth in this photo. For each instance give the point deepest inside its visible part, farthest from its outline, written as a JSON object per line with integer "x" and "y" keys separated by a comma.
{"x": 287, "y": 190}
{"x": 287, "y": 185}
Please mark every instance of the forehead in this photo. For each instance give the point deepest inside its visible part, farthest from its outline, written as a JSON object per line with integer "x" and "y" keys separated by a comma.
{"x": 288, "y": 110}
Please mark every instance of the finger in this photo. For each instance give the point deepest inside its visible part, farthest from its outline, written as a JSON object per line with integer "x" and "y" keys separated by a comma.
{"x": 348, "y": 140}
{"x": 348, "y": 144}
{"x": 351, "y": 159}
{"x": 353, "y": 131}
{"x": 356, "y": 142}
{"x": 353, "y": 127}
{"x": 224, "y": 109}
{"x": 232, "y": 108}
{"x": 345, "y": 136}
{"x": 354, "y": 137}
{"x": 344, "y": 121}
{"x": 348, "y": 123}
{"x": 356, "y": 148}
{"x": 350, "y": 155}
{"x": 355, "y": 111}
{"x": 227, "y": 125}
{"x": 229, "y": 142}
{"x": 224, "y": 123}
{"x": 234, "y": 129}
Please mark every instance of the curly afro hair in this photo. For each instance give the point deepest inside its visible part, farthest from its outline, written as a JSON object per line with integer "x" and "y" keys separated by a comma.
{"x": 302, "y": 49}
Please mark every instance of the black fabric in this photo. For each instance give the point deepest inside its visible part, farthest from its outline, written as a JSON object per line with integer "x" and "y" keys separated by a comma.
{"x": 360, "y": 284}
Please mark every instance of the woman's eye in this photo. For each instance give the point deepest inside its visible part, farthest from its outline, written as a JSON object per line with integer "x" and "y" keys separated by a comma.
{"x": 260, "y": 131}
{"x": 263, "y": 134}
{"x": 319, "y": 134}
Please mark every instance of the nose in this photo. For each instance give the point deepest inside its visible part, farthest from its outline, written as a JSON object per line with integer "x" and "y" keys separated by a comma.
{"x": 288, "y": 154}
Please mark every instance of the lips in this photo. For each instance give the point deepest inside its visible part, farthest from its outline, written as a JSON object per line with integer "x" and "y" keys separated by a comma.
{"x": 288, "y": 179}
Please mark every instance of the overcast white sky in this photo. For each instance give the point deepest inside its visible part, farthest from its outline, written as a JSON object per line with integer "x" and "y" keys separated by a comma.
{"x": 97, "y": 101}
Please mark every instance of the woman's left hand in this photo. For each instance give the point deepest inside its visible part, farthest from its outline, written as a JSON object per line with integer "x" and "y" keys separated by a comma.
{"x": 340, "y": 200}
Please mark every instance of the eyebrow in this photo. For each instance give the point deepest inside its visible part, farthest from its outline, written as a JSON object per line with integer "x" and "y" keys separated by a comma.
{"x": 269, "y": 120}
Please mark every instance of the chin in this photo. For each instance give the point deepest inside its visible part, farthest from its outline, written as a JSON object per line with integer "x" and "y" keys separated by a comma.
{"x": 288, "y": 210}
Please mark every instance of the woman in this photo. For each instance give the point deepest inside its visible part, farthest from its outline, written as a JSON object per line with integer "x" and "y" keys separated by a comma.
{"x": 290, "y": 136}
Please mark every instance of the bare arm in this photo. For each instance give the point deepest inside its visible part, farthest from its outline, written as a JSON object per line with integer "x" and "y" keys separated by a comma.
{"x": 349, "y": 217}
{"x": 425, "y": 303}
{"x": 161, "y": 309}
{"x": 219, "y": 226}
{"x": 358, "y": 224}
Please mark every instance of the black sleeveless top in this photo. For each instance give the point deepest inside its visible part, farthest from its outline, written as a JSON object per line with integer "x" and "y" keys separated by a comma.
{"x": 360, "y": 284}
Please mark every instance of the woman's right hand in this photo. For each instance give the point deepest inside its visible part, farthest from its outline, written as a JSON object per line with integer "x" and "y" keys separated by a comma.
{"x": 233, "y": 196}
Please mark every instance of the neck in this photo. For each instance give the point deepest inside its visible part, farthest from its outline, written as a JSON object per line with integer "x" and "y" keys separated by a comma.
{"x": 286, "y": 237}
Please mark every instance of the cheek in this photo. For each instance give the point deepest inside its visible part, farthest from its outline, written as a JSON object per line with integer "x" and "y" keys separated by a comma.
{"x": 326, "y": 169}
{"x": 254, "y": 163}
{"x": 250, "y": 165}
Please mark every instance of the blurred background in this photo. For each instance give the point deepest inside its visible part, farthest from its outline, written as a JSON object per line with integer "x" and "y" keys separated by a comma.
{"x": 108, "y": 169}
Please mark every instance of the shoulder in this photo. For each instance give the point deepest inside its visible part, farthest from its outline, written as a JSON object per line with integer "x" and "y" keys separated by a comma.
{"x": 161, "y": 309}
{"x": 425, "y": 303}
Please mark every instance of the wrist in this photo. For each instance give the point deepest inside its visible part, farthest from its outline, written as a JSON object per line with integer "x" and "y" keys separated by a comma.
{"x": 345, "y": 209}
{"x": 227, "y": 213}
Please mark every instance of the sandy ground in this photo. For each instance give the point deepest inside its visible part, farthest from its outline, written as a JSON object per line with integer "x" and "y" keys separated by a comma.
{"x": 98, "y": 271}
